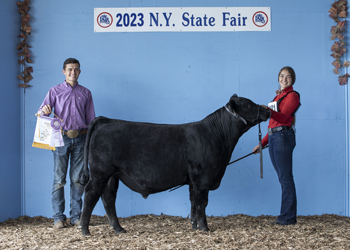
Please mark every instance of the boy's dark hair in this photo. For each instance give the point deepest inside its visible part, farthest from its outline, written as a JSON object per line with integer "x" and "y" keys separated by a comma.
{"x": 70, "y": 60}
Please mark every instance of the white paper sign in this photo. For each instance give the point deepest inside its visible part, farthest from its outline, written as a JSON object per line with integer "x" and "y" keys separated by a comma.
{"x": 45, "y": 136}
{"x": 43, "y": 130}
{"x": 171, "y": 19}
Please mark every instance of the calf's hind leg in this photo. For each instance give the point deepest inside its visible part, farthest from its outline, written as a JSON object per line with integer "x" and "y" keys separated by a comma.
{"x": 93, "y": 192}
{"x": 109, "y": 196}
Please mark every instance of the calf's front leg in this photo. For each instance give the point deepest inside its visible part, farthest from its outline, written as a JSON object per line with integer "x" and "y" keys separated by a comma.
{"x": 199, "y": 201}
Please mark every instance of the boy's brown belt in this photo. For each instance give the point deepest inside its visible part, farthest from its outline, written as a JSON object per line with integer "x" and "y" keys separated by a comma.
{"x": 74, "y": 133}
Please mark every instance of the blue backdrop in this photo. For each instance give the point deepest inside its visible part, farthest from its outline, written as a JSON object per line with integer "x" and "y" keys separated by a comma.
{"x": 11, "y": 123}
{"x": 174, "y": 77}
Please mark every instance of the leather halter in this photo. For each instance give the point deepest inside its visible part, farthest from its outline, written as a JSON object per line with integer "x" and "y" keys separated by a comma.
{"x": 260, "y": 148}
{"x": 260, "y": 143}
{"x": 235, "y": 115}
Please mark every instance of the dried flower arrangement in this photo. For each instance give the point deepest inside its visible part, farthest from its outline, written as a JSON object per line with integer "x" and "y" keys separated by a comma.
{"x": 338, "y": 13}
{"x": 23, "y": 47}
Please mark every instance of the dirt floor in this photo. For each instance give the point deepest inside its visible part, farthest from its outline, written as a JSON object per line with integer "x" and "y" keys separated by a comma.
{"x": 171, "y": 232}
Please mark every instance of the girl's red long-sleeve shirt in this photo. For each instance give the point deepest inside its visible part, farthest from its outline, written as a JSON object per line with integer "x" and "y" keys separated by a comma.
{"x": 286, "y": 108}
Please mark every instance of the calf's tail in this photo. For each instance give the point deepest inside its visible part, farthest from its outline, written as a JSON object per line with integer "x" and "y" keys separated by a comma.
{"x": 84, "y": 178}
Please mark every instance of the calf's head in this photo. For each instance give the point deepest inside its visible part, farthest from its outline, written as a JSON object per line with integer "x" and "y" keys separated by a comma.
{"x": 250, "y": 112}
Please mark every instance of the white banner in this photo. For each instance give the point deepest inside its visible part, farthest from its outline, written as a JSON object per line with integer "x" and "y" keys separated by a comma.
{"x": 48, "y": 134}
{"x": 43, "y": 132}
{"x": 167, "y": 19}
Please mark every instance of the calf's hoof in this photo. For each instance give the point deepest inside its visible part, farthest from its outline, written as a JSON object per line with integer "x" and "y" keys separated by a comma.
{"x": 123, "y": 231}
{"x": 204, "y": 229}
{"x": 85, "y": 232}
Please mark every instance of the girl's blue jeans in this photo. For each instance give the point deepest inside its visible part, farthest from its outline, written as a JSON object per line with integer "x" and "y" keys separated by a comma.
{"x": 281, "y": 146}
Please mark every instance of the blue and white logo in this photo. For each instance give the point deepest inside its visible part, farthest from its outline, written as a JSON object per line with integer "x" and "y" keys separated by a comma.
{"x": 260, "y": 19}
{"x": 104, "y": 20}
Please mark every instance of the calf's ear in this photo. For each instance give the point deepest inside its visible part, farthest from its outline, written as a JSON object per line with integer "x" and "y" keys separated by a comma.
{"x": 232, "y": 101}
{"x": 233, "y": 98}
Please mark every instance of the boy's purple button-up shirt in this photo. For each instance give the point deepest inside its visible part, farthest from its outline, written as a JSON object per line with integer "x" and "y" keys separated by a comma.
{"x": 73, "y": 105}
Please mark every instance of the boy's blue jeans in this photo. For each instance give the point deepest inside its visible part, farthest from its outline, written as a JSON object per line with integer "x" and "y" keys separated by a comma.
{"x": 72, "y": 152}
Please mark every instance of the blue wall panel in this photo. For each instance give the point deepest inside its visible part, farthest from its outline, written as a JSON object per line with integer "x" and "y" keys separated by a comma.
{"x": 10, "y": 146}
{"x": 182, "y": 77}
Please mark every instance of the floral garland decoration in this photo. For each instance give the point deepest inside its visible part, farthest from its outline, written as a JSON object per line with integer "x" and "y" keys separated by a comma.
{"x": 23, "y": 47}
{"x": 338, "y": 12}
